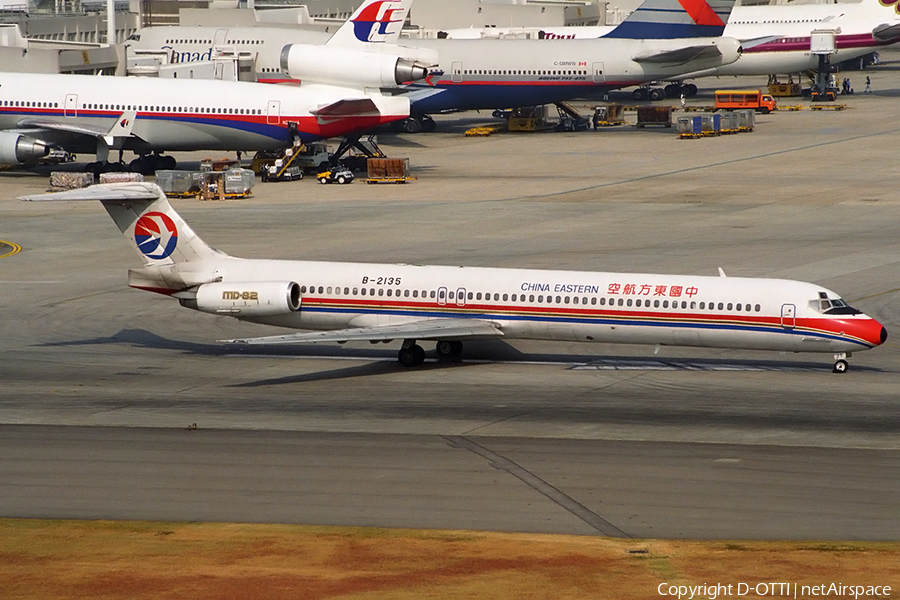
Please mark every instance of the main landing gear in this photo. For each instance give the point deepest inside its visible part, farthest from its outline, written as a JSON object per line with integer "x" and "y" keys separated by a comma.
{"x": 412, "y": 355}
{"x": 840, "y": 362}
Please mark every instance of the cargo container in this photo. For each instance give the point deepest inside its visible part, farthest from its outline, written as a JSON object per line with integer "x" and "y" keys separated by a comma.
{"x": 388, "y": 170}
{"x": 654, "y": 115}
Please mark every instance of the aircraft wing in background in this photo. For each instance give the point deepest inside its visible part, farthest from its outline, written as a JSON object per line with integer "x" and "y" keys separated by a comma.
{"x": 426, "y": 329}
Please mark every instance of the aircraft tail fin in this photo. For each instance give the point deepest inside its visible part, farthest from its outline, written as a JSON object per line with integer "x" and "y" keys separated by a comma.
{"x": 147, "y": 221}
{"x": 375, "y": 22}
{"x": 674, "y": 19}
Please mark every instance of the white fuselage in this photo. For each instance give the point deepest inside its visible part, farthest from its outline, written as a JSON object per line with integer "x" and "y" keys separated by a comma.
{"x": 723, "y": 312}
{"x": 173, "y": 114}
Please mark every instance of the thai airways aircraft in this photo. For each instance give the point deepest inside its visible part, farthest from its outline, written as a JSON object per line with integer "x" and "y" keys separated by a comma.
{"x": 661, "y": 40}
{"x": 448, "y": 305}
{"x": 98, "y": 114}
{"x": 776, "y": 38}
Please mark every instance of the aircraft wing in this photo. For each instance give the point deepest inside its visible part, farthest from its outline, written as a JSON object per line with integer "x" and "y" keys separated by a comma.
{"x": 680, "y": 55}
{"x": 428, "y": 329}
{"x": 886, "y": 32}
{"x": 122, "y": 127}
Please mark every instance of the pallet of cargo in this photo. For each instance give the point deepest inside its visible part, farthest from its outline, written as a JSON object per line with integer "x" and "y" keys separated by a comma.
{"x": 484, "y": 130}
{"x": 793, "y": 107}
{"x": 388, "y": 170}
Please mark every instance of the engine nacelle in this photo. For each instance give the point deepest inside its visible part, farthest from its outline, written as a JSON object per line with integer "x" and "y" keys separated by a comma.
{"x": 343, "y": 66}
{"x": 247, "y": 299}
{"x": 16, "y": 148}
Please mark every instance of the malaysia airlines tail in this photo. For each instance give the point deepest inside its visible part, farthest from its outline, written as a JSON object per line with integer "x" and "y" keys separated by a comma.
{"x": 374, "y": 22}
{"x": 672, "y": 19}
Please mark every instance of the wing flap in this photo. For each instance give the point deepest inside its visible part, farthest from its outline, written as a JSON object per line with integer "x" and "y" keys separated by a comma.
{"x": 430, "y": 329}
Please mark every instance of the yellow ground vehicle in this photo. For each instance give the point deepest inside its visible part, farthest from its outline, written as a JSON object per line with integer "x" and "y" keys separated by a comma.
{"x": 755, "y": 99}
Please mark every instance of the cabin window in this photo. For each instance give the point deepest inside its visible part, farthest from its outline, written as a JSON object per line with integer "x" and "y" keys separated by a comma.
{"x": 738, "y": 307}
{"x": 758, "y": 308}
{"x": 629, "y": 302}
{"x": 356, "y": 291}
{"x": 684, "y": 304}
{"x": 328, "y": 290}
{"x": 381, "y": 292}
{"x": 621, "y": 302}
{"x": 302, "y": 289}
{"x": 575, "y": 300}
{"x": 505, "y": 297}
{"x": 540, "y": 298}
{"x": 594, "y": 300}
{"x": 390, "y": 292}
{"x": 531, "y": 298}
{"x": 566, "y": 299}
{"x": 478, "y": 296}
{"x": 665, "y": 304}
{"x": 721, "y": 306}
{"x": 415, "y": 293}
{"x": 362, "y": 292}
{"x": 729, "y": 306}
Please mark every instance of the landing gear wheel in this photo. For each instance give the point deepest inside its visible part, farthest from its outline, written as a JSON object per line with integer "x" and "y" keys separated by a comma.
{"x": 657, "y": 94}
{"x": 448, "y": 348}
{"x": 840, "y": 366}
{"x": 639, "y": 94}
{"x": 413, "y": 356}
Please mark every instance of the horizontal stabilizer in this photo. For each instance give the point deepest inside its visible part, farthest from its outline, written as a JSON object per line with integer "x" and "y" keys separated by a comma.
{"x": 680, "y": 55}
{"x": 430, "y": 329}
{"x": 348, "y": 108}
{"x": 885, "y": 32}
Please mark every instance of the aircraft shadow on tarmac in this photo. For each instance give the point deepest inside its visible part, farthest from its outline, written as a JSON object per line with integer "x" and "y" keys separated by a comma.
{"x": 476, "y": 352}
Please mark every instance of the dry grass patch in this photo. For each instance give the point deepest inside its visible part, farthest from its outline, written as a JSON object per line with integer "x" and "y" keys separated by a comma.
{"x": 199, "y": 561}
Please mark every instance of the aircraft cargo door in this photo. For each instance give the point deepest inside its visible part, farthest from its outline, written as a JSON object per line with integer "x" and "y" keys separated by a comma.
{"x": 598, "y": 75}
{"x": 456, "y": 71}
{"x": 788, "y": 312}
{"x": 71, "y": 107}
{"x": 273, "y": 114}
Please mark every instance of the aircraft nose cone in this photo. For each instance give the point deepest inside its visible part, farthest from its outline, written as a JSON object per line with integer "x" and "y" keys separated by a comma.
{"x": 883, "y": 335}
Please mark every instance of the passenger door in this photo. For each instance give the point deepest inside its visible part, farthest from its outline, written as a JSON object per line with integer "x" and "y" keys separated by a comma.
{"x": 788, "y": 316}
{"x": 71, "y": 107}
{"x": 598, "y": 75}
{"x": 273, "y": 113}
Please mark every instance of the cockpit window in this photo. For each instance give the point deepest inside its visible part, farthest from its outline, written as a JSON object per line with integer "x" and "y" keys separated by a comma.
{"x": 835, "y": 306}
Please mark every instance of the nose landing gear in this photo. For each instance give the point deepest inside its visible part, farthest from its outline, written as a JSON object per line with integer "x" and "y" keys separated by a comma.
{"x": 840, "y": 362}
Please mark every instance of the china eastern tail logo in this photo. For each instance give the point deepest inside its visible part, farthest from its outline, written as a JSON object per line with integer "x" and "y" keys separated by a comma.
{"x": 156, "y": 235}
{"x": 374, "y": 23}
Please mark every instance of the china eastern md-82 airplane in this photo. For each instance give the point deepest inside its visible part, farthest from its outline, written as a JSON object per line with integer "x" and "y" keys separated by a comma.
{"x": 449, "y": 305}
{"x": 79, "y": 113}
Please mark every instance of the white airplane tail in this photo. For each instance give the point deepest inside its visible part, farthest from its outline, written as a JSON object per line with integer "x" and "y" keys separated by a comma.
{"x": 374, "y": 22}
{"x": 675, "y": 19}
{"x": 174, "y": 256}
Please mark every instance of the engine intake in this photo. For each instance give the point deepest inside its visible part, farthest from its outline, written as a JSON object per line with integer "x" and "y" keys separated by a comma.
{"x": 17, "y": 149}
{"x": 247, "y": 299}
{"x": 343, "y": 66}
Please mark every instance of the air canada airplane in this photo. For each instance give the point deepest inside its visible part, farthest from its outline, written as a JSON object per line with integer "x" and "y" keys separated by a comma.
{"x": 448, "y": 305}
{"x": 661, "y": 40}
{"x": 79, "y": 113}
